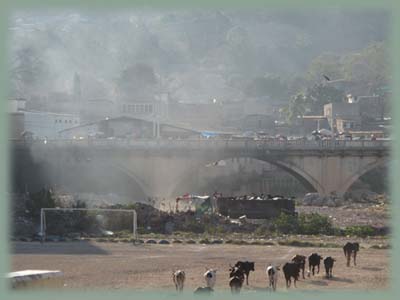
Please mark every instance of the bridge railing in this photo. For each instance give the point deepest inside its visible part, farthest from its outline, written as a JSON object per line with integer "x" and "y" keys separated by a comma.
{"x": 213, "y": 144}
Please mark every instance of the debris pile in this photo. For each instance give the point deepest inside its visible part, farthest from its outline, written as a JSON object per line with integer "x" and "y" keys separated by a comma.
{"x": 314, "y": 199}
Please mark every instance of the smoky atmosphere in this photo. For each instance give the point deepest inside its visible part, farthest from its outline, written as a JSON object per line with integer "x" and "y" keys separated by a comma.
{"x": 199, "y": 133}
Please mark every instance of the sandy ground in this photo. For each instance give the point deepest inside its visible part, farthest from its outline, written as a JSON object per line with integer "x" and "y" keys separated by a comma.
{"x": 91, "y": 265}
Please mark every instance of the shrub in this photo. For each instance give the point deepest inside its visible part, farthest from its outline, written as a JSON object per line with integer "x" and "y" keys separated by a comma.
{"x": 296, "y": 243}
{"x": 42, "y": 199}
{"x": 304, "y": 224}
{"x": 215, "y": 229}
{"x": 286, "y": 224}
{"x": 263, "y": 230}
{"x": 315, "y": 224}
{"x": 360, "y": 230}
{"x": 204, "y": 241}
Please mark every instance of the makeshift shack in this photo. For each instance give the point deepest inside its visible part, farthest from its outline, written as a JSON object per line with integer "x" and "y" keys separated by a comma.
{"x": 255, "y": 209}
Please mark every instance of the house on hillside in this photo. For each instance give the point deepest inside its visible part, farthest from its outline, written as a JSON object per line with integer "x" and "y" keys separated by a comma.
{"x": 343, "y": 116}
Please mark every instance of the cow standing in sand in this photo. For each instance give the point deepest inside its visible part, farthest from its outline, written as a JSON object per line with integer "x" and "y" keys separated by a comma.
{"x": 351, "y": 248}
{"x": 272, "y": 273}
{"x": 301, "y": 260}
{"x": 211, "y": 277}
{"x": 314, "y": 260}
{"x": 179, "y": 279}
{"x": 328, "y": 262}
{"x": 246, "y": 267}
{"x": 236, "y": 279}
{"x": 291, "y": 270}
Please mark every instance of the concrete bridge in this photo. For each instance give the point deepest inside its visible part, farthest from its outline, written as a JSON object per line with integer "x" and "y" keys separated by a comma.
{"x": 159, "y": 166}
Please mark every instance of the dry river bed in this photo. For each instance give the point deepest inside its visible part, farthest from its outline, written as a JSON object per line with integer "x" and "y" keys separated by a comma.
{"x": 90, "y": 265}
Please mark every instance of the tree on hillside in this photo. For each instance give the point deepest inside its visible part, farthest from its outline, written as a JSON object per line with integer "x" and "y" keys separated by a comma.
{"x": 298, "y": 106}
{"x": 312, "y": 102}
{"x": 319, "y": 95}
{"x": 325, "y": 64}
{"x": 137, "y": 78}
{"x": 369, "y": 67}
{"x": 26, "y": 70}
{"x": 271, "y": 86}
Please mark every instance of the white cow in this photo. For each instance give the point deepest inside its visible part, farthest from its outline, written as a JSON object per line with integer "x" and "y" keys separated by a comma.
{"x": 211, "y": 277}
{"x": 272, "y": 273}
{"x": 179, "y": 279}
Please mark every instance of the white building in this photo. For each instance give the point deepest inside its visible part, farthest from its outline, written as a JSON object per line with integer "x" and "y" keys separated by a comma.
{"x": 47, "y": 124}
{"x": 15, "y": 105}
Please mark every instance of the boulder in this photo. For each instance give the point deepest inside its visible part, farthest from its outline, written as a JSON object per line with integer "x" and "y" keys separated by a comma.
{"x": 314, "y": 199}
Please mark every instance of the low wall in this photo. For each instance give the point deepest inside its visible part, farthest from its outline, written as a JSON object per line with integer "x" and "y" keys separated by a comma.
{"x": 36, "y": 279}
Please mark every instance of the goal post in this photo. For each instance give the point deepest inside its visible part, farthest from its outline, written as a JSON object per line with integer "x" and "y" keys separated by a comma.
{"x": 43, "y": 218}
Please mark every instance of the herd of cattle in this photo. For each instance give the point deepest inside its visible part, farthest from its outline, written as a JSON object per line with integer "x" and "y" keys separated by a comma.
{"x": 241, "y": 270}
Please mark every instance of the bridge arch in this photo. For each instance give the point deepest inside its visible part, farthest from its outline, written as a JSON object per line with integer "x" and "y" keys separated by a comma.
{"x": 306, "y": 179}
{"x": 369, "y": 167}
{"x": 309, "y": 183}
{"x": 145, "y": 189}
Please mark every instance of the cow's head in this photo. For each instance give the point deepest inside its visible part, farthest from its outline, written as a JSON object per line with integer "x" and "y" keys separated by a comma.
{"x": 251, "y": 265}
{"x": 210, "y": 273}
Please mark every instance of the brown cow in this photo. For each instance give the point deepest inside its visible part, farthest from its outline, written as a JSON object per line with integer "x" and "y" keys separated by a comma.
{"x": 291, "y": 270}
{"x": 301, "y": 261}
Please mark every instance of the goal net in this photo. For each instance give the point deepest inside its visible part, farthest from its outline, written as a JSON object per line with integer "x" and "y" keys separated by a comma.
{"x": 89, "y": 222}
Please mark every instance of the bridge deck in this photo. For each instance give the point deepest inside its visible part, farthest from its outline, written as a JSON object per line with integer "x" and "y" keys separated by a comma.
{"x": 214, "y": 144}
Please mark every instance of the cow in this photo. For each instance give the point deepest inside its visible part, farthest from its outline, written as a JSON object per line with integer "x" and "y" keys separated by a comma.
{"x": 291, "y": 269}
{"x": 203, "y": 290}
{"x": 236, "y": 279}
{"x": 272, "y": 273}
{"x": 179, "y": 279}
{"x": 246, "y": 267}
{"x": 301, "y": 260}
{"x": 351, "y": 248}
{"x": 211, "y": 277}
{"x": 314, "y": 260}
{"x": 328, "y": 262}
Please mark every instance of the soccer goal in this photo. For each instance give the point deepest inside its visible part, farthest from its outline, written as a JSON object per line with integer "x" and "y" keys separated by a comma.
{"x": 96, "y": 211}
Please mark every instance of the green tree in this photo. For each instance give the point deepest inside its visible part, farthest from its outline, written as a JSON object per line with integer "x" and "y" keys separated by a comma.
{"x": 42, "y": 199}
{"x": 26, "y": 70}
{"x": 135, "y": 78}
{"x": 298, "y": 106}
{"x": 267, "y": 86}
{"x": 327, "y": 64}
{"x": 320, "y": 94}
{"x": 370, "y": 67}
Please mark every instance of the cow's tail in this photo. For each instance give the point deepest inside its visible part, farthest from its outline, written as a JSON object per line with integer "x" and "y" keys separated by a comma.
{"x": 344, "y": 251}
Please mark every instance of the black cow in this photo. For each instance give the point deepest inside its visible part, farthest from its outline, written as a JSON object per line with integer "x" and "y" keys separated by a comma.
{"x": 351, "y": 248}
{"x": 246, "y": 267}
{"x": 301, "y": 260}
{"x": 291, "y": 269}
{"x": 314, "y": 260}
{"x": 236, "y": 279}
{"x": 328, "y": 262}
